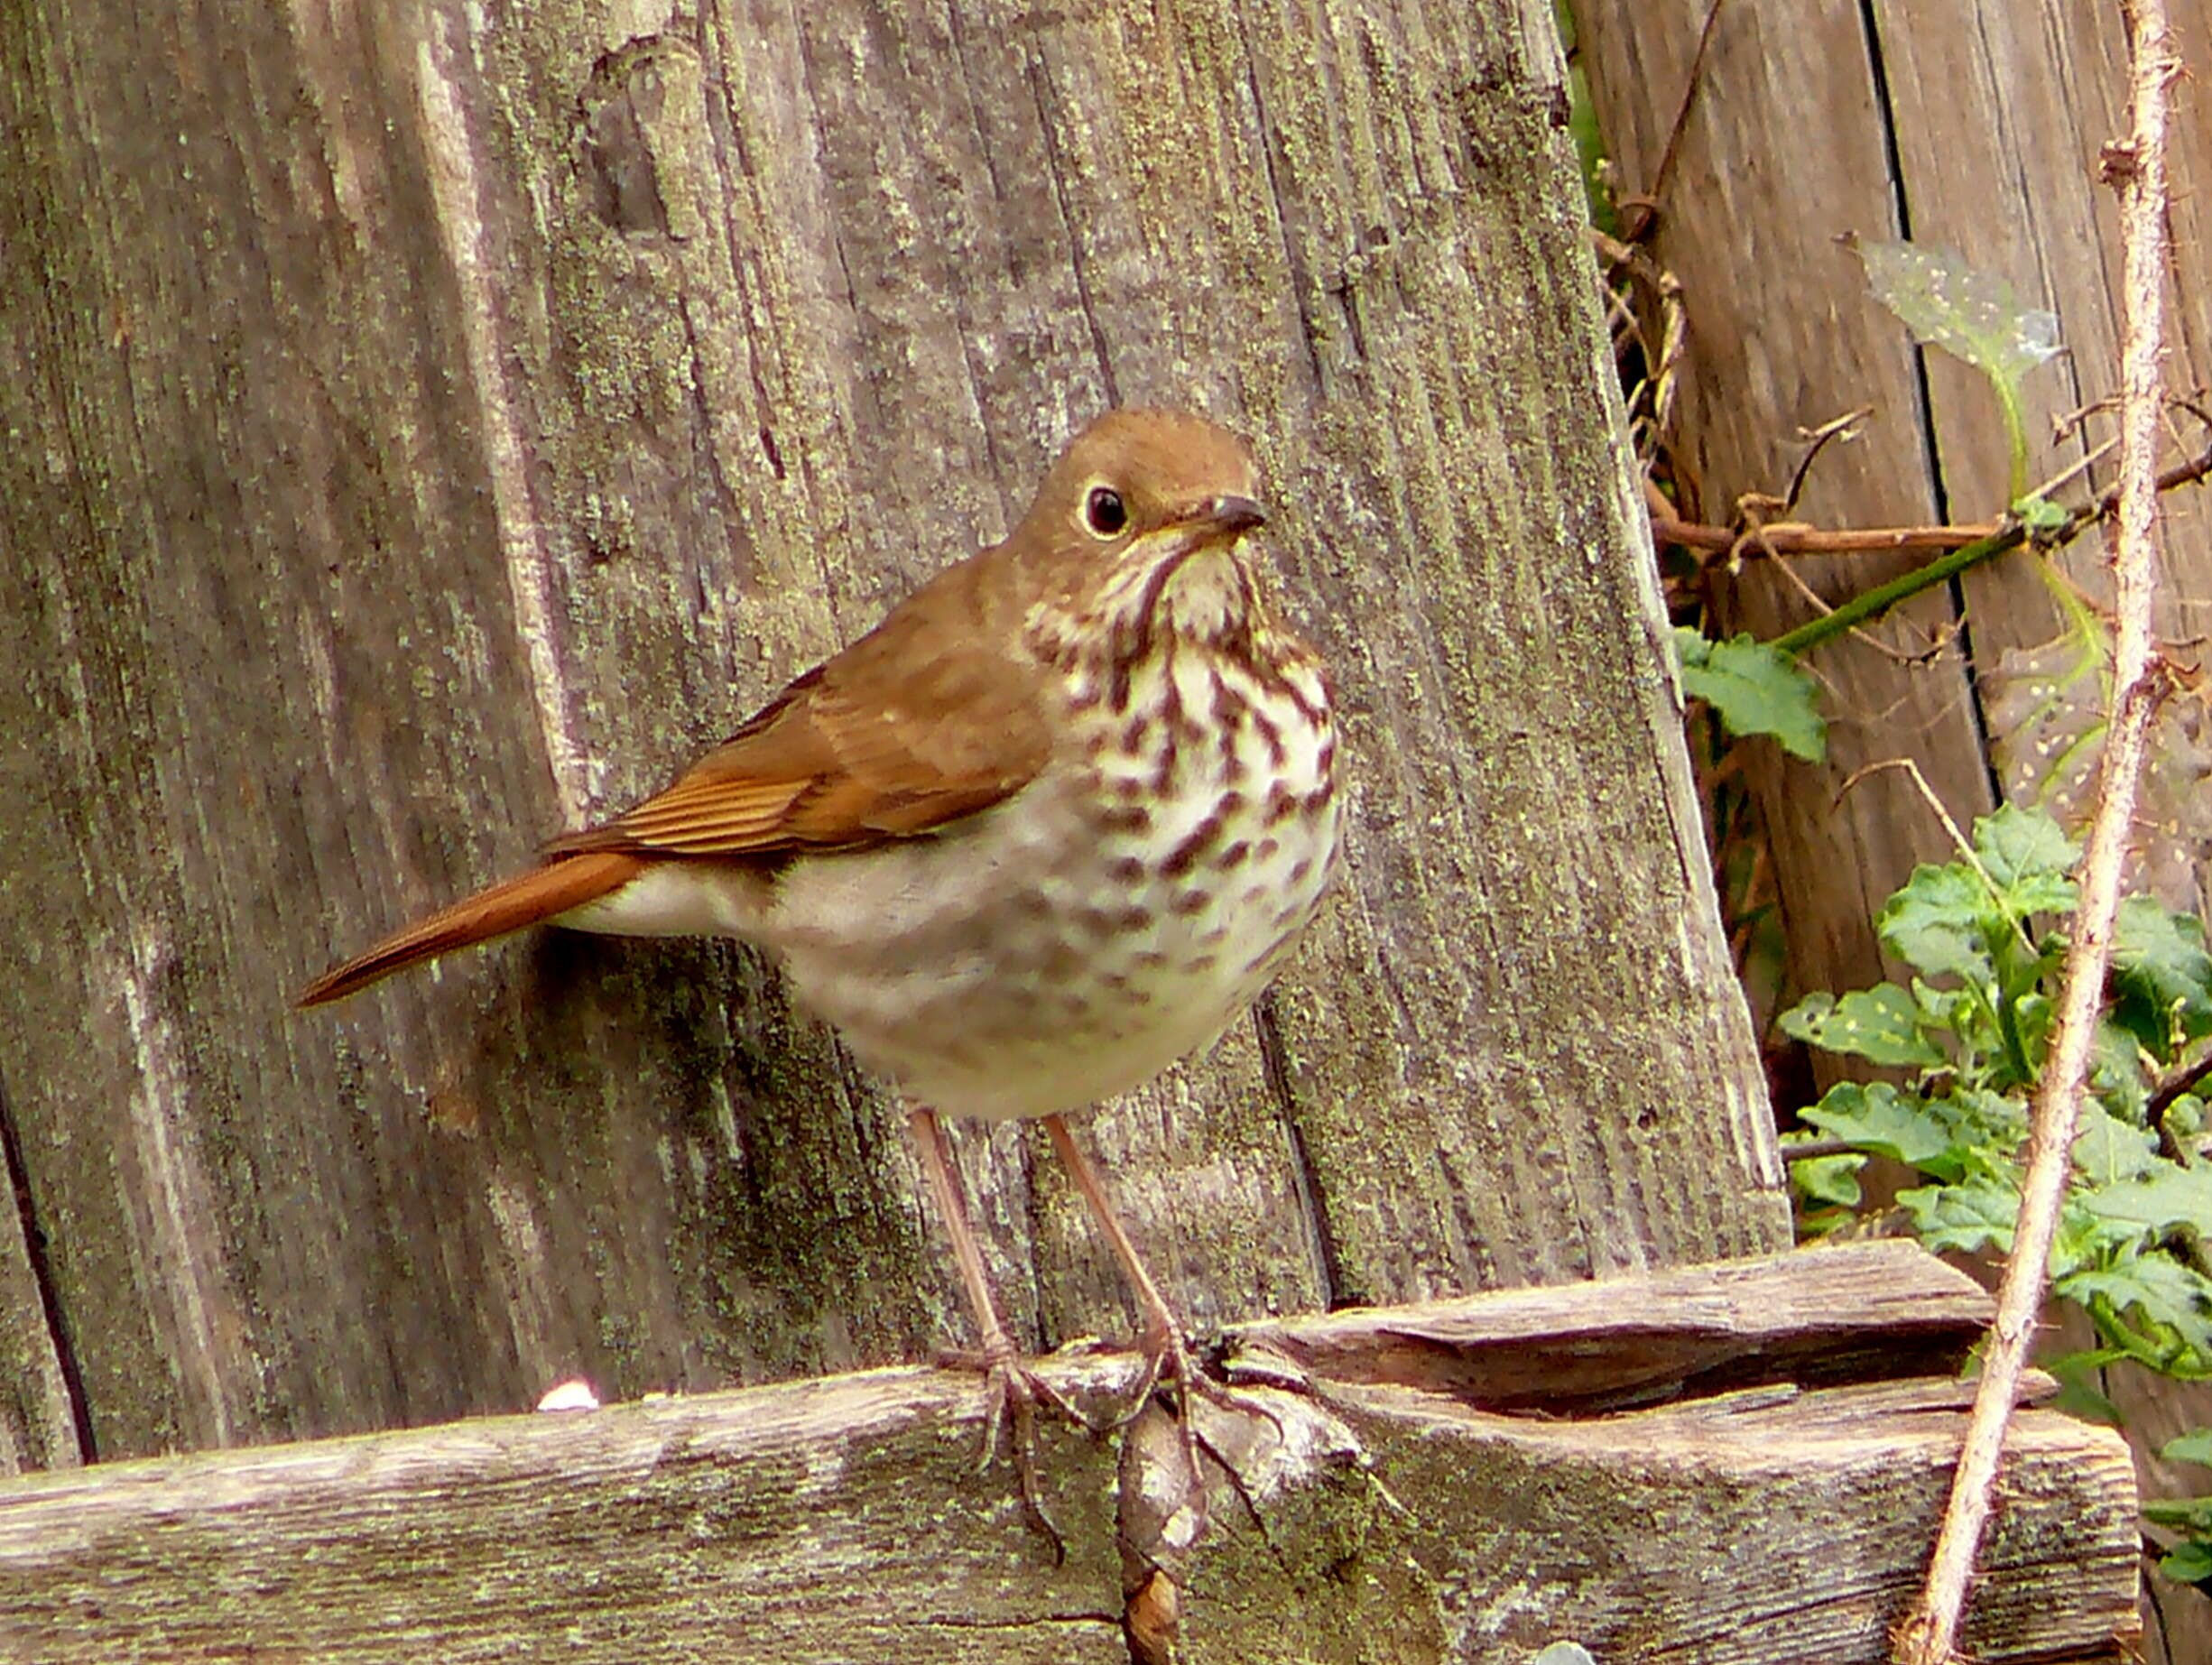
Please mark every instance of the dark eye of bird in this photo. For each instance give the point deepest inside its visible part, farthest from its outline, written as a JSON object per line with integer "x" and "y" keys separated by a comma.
{"x": 1106, "y": 512}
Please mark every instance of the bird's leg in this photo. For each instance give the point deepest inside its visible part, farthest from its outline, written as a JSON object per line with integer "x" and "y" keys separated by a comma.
{"x": 1167, "y": 1355}
{"x": 1013, "y": 1388}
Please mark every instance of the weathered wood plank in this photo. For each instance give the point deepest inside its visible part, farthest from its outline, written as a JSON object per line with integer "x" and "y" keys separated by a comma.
{"x": 431, "y": 423}
{"x": 845, "y": 1519}
{"x": 1975, "y": 126}
{"x": 1838, "y": 1314}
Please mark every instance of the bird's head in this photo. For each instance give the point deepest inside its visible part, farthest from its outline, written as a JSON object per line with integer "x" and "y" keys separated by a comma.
{"x": 1137, "y": 529}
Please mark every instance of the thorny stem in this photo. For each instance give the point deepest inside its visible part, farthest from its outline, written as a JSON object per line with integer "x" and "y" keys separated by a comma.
{"x": 1930, "y": 1636}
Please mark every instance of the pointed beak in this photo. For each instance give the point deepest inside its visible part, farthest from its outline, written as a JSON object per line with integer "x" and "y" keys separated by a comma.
{"x": 1229, "y": 517}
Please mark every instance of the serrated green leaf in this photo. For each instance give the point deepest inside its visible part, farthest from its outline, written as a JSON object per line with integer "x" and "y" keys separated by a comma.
{"x": 1937, "y": 923}
{"x": 1957, "y": 1008}
{"x": 1827, "y": 1182}
{"x": 2162, "y": 1200}
{"x": 2160, "y": 1291}
{"x": 1880, "y": 1024}
{"x": 1971, "y": 1216}
{"x": 1997, "y": 1119}
{"x": 1970, "y": 313}
{"x": 2194, "y": 1447}
{"x": 2042, "y": 892}
{"x": 2117, "y": 1077}
{"x": 2018, "y": 844}
{"x": 2161, "y": 977}
{"x": 1755, "y": 689}
{"x": 2108, "y": 1150}
{"x": 1877, "y": 1118}
{"x": 2089, "y": 1241}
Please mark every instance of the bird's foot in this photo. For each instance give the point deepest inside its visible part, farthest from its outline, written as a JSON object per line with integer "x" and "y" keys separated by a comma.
{"x": 1012, "y": 1393}
{"x": 1169, "y": 1362}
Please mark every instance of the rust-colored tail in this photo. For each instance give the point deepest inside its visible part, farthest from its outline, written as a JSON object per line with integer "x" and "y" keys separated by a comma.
{"x": 564, "y": 883}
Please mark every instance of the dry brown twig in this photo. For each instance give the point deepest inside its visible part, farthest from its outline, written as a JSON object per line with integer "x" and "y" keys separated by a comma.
{"x": 1796, "y": 538}
{"x": 1845, "y": 428}
{"x": 2136, "y": 167}
{"x": 1630, "y": 270}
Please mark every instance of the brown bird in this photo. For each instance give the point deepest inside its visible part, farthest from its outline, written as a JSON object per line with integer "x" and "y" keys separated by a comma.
{"x": 1050, "y": 827}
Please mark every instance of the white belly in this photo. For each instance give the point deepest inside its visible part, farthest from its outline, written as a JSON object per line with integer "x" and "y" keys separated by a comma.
{"x": 1058, "y": 948}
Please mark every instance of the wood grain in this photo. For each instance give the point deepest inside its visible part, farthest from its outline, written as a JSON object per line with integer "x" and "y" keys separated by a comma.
{"x": 845, "y": 1519}
{"x": 1841, "y": 1314}
{"x": 431, "y": 425}
{"x": 1975, "y": 126}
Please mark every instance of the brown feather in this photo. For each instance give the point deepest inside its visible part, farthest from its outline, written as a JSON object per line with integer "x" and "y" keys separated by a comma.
{"x": 932, "y": 716}
{"x": 567, "y": 883}
{"x": 938, "y": 713}
{"x": 935, "y": 713}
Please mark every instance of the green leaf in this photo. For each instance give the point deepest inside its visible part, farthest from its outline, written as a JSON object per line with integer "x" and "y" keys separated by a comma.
{"x": 1827, "y": 1182}
{"x": 2046, "y": 717}
{"x": 2194, "y": 1447}
{"x": 2024, "y": 850}
{"x": 2088, "y": 1241}
{"x": 1996, "y": 1120}
{"x": 2108, "y": 1149}
{"x": 1880, "y": 1120}
{"x": 2189, "y": 1562}
{"x": 1969, "y": 313}
{"x": 2032, "y": 1017}
{"x": 1755, "y": 689}
{"x": 2163, "y": 1201}
{"x": 1881, "y": 1023}
{"x": 1937, "y": 923}
{"x": 2111, "y": 1148}
{"x": 2040, "y": 515}
{"x": 2117, "y": 1077}
{"x": 2081, "y": 1394}
{"x": 2161, "y": 977}
{"x": 1973, "y": 1215}
{"x": 2174, "y": 1299}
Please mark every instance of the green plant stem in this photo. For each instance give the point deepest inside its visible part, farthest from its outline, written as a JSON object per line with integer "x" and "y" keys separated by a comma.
{"x": 1860, "y": 608}
{"x": 2016, "y": 430}
{"x": 2124, "y": 1341}
{"x": 1884, "y": 597}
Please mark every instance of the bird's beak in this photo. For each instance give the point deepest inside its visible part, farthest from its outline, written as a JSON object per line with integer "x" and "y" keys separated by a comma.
{"x": 1227, "y": 517}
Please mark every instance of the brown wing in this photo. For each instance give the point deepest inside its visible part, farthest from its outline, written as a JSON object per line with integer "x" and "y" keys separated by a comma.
{"x": 922, "y": 721}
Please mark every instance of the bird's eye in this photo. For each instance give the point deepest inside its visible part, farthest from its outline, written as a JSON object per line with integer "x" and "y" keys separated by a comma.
{"x": 1105, "y": 512}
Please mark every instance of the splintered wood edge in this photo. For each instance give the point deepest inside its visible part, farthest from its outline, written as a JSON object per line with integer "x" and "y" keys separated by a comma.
{"x": 848, "y": 1519}
{"x": 1856, "y": 1311}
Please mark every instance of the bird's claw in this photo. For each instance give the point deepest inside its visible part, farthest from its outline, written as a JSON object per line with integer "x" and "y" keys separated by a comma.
{"x": 1011, "y": 1393}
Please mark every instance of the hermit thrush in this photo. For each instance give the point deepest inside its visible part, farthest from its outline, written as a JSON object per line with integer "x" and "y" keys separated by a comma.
{"x": 1050, "y": 825}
